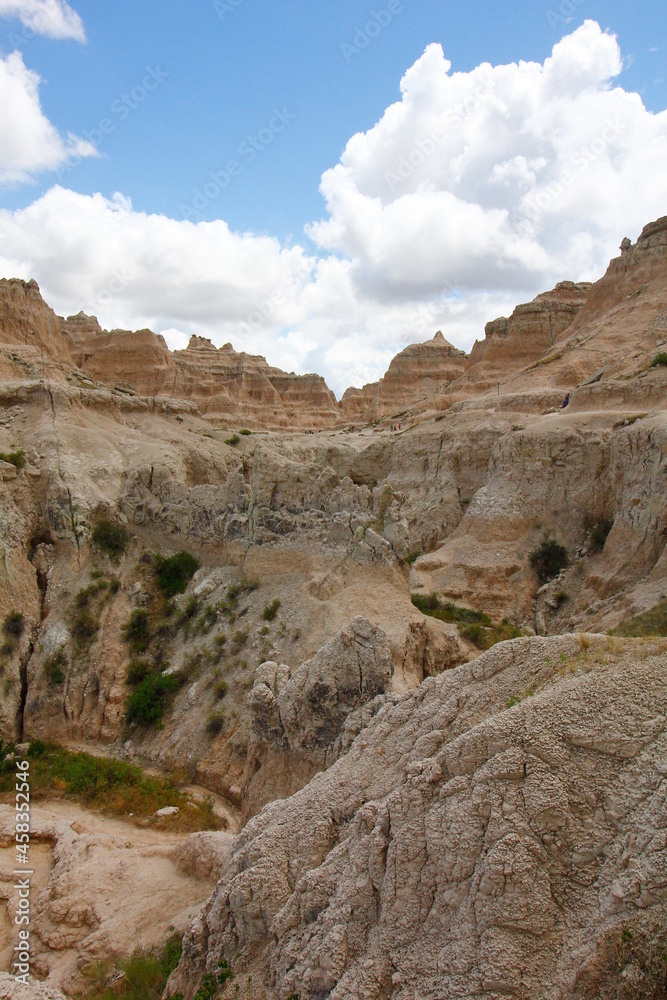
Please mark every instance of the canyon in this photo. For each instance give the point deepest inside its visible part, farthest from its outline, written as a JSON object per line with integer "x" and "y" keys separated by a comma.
{"x": 438, "y": 771}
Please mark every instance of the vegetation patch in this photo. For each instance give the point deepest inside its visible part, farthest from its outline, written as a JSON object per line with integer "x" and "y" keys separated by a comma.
{"x": 233, "y": 440}
{"x": 14, "y": 625}
{"x": 111, "y": 538}
{"x": 448, "y": 612}
{"x": 173, "y": 575}
{"x": 548, "y": 559}
{"x": 150, "y": 698}
{"x": 16, "y": 457}
{"x": 650, "y": 623}
{"x": 271, "y": 610}
{"x": 142, "y": 977}
{"x": 484, "y": 637}
{"x": 660, "y": 360}
{"x": 137, "y": 633}
{"x": 113, "y": 787}
{"x": 54, "y": 668}
{"x": 246, "y": 432}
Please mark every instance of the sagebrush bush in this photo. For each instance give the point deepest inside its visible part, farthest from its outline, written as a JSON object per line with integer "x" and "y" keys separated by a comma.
{"x": 660, "y": 360}
{"x": 173, "y": 575}
{"x": 548, "y": 559}
{"x": 148, "y": 702}
{"x": 15, "y": 458}
{"x": 271, "y": 610}
{"x": 137, "y": 633}
{"x": 54, "y": 667}
{"x": 112, "y": 538}
{"x": 14, "y": 625}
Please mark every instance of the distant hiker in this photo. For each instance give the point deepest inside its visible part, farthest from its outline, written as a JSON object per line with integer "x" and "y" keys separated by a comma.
{"x": 565, "y": 402}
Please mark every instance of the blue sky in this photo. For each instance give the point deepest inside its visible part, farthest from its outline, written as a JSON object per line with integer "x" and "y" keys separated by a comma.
{"x": 228, "y": 70}
{"x": 298, "y": 81}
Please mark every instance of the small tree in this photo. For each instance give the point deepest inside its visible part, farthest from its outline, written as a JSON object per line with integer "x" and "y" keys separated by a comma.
{"x": 548, "y": 559}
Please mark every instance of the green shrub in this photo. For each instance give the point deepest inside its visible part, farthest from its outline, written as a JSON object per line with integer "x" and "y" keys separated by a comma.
{"x": 15, "y": 458}
{"x": 233, "y": 440}
{"x": 191, "y": 609}
{"x": 84, "y": 628}
{"x": 246, "y": 432}
{"x": 650, "y": 623}
{"x": 448, "y": 612}
{"x": 239, "y": 639}
{"x": 220, "y": 690}
{"x": 660, "y": 360}
{"x": 137, "y": 632}
{"x": 548, "y": 559}
{"x": 53, "y": 667}
{"x": 7, "y": 648}
{"x": 215, "y": 723}
{"x": 412, "y": 557}
{"x": 110, "y": 537}
{"x": 271, "y": 610}
{"x": 174, "y": 574}
{"x": 14, "y": 625}
{"x": 148, "y": 702}
{"x": 599, "y": 534}
{"x": 137, "y": 670}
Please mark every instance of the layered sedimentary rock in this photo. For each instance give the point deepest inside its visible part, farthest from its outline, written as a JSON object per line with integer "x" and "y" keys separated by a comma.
{"x": 413, "y": 376}
{"x": 532, "y": 329}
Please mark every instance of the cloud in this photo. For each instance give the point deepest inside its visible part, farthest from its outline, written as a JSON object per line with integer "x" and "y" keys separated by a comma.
{"x": 29, "y": 143}
{"x": 503, "y": 177}
{"x": 472, "y": 193}
{"x": 53, "y": 18}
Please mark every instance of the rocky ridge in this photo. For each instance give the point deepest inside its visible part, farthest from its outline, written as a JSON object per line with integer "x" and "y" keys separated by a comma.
{"x": 362, "y": 741}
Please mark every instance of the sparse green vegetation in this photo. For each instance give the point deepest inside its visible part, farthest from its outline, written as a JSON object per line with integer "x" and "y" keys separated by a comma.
{"x": 137, "y": 670}
{"x": 239, "y": 639}
{"x": 142, "y": 977}
{"x": 475, "y": 626}
{"x": 148, "y": 702}
{"x": 412, "y": 557}
{"x": 14, "y": 625}
{"x": 271, "y": 610}
{"x": 660, "y": 360}
{"x": 172, "y": 575}
{"x": 650, "y": 623}
{"x": 54, "y": 667}
{"x": 137, "y": 632}
{"x": 16, "y": 457}
{"x": 110, "y": 537}
{"x": 448, "y": 612}
{"x": 233, "y": 440}
{"x": 599, "y": 533}
{"x": 246, "y": 432}
{"x": 486, "y": 636}
{"x": 561, "y": 597}
{"x": 112, "y": 786}
{"x": 220, "y": 690}
{"x": 84, "y": 628}
{"x": 215, "y": 723}
{"x": 548, "y": 559}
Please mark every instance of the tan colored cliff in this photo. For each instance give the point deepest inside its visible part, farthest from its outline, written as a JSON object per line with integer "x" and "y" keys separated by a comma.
{"x": 414, "y": 375}
{"x": 531, "y": 331}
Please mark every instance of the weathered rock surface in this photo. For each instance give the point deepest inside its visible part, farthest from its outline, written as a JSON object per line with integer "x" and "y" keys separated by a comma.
{"x": 413, "y": 376}
{"x": 527, "y": 335}
{"x": 101, "y": 888}
{"x": 461, "y": 847}
{"x": 298, "y": 717}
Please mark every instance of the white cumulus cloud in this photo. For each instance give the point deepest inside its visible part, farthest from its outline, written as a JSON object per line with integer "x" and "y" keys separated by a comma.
{"x": 472, "y": 193}
{"x": 53, "y": 18}
{"x": 29, "y": 143}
